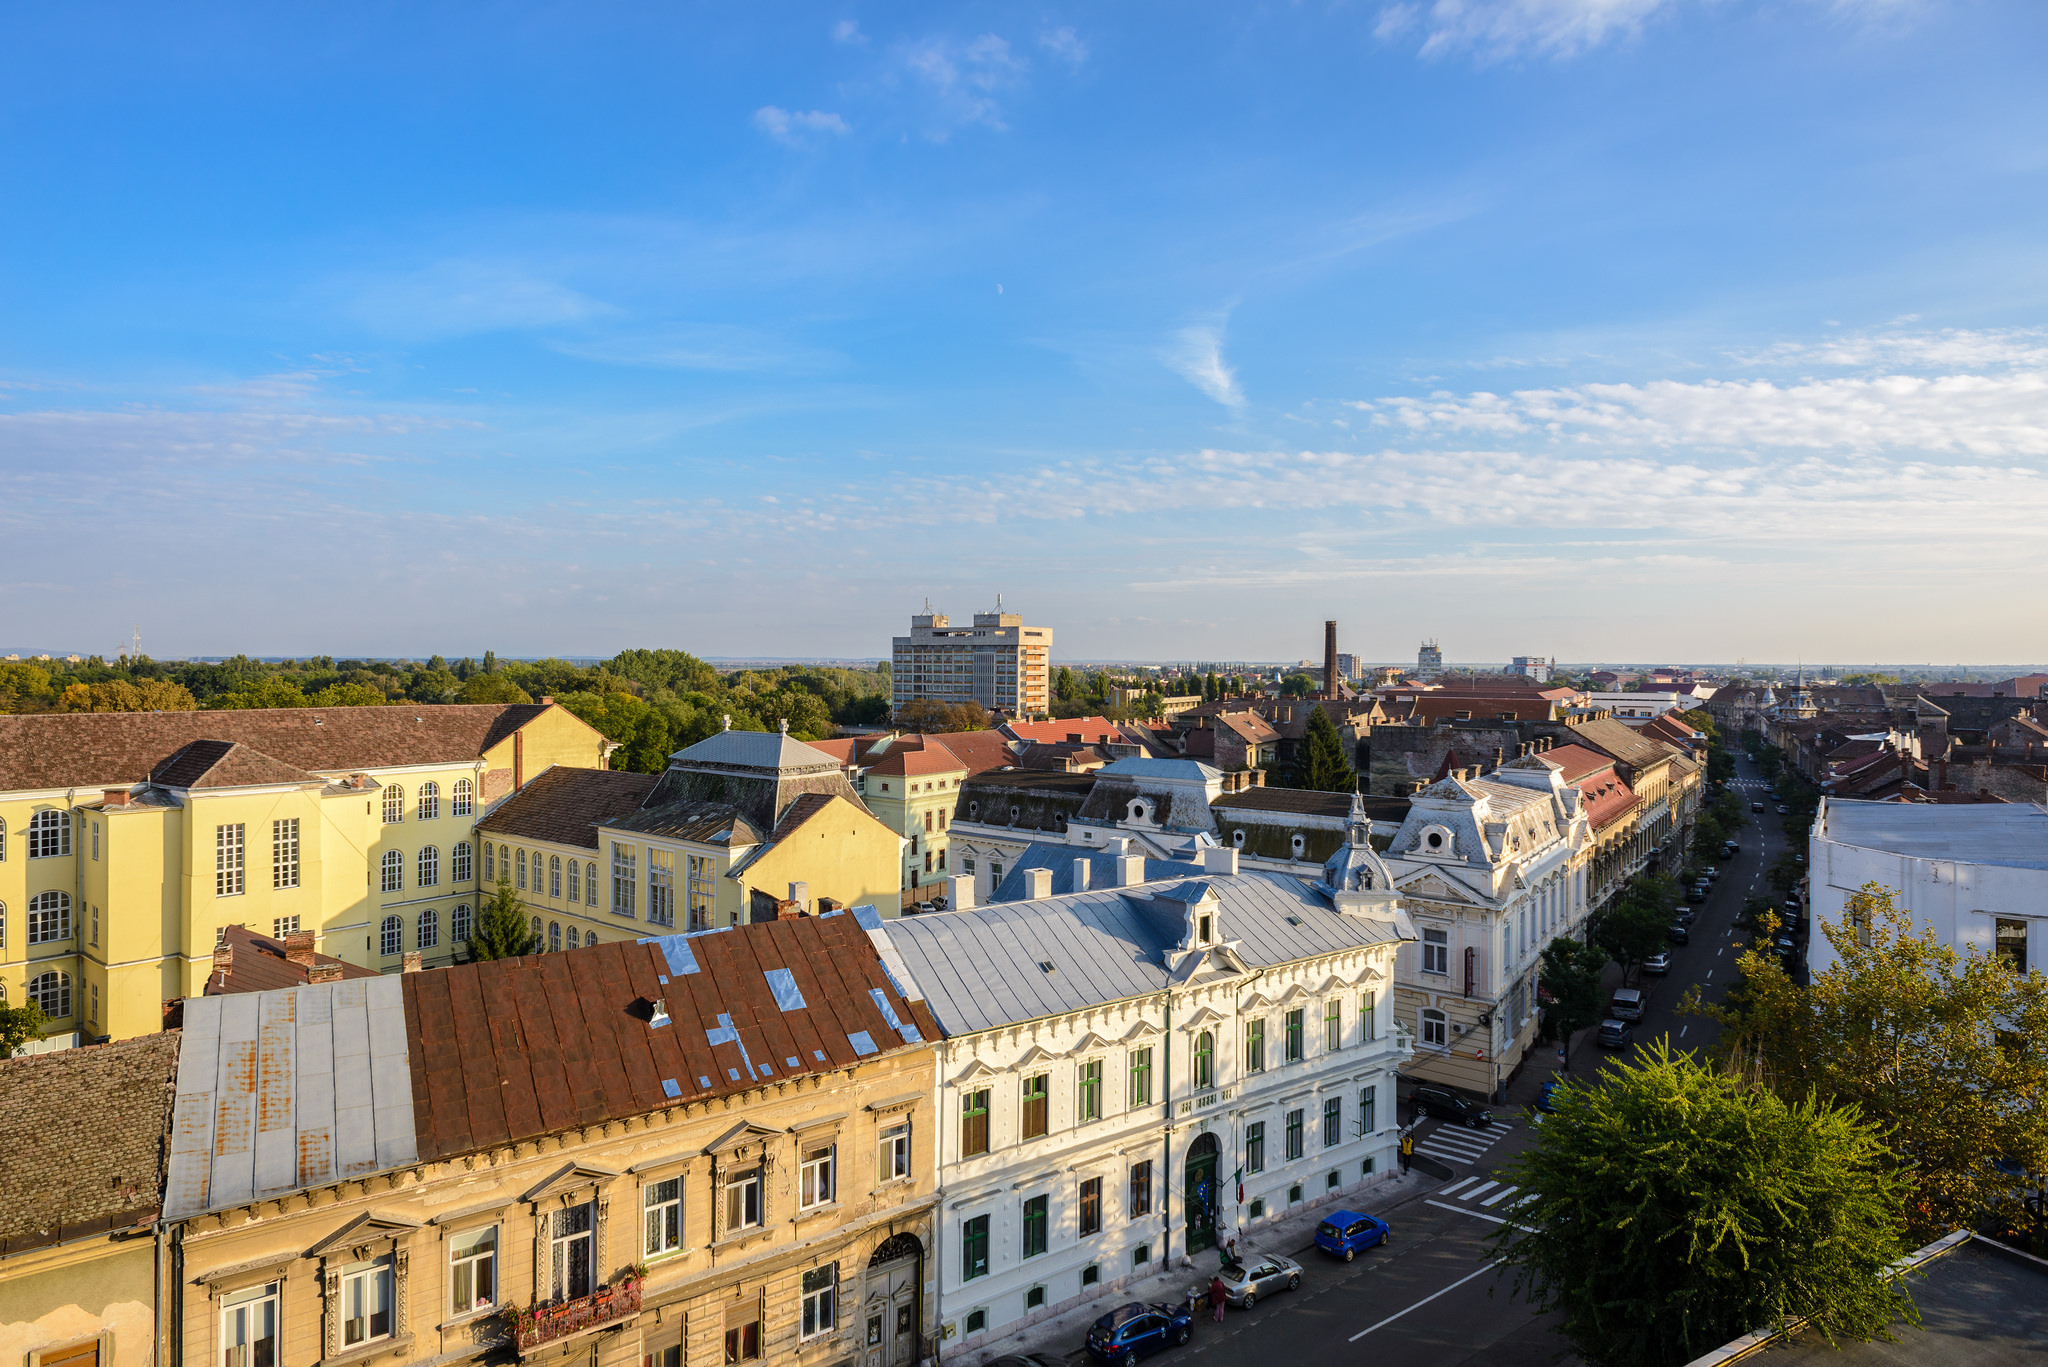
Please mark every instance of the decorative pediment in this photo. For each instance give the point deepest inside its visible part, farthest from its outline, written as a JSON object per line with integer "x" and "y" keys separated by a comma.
{"x": 1293, "y": 994}
{"x": 975, "y": 1068}
{"x": 1333, "y": 983}
{"x": 366, "y": 1228}
{"x": 1432, "y": 886}
{"x": 1205, "y": 1016}
{"x": 746, "y": 1132}
{"x": 1142, "y": 1030}
{"x": 1255, "y": 1002}
{"x": 1035, "y": 1053}
{"x": 569, "y": 1177}
{"x": 1369, "y": 974}
{"x": 1090, "y": 1043}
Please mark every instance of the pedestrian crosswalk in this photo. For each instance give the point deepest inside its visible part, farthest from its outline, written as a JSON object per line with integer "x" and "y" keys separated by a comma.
{"x": 1488, "y": 1199}
{"x": 1459, "y": 1144}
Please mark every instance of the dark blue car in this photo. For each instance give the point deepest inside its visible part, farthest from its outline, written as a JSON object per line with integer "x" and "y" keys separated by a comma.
{"x": 1347, "y": 1233}
{"x": 1137, "y": 1330}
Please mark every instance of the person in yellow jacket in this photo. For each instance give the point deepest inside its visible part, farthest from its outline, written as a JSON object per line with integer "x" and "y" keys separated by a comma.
{"x": 1407, "y": 1150}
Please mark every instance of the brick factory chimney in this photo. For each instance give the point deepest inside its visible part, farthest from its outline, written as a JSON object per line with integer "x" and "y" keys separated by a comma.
{"x": 1330, "y": 660}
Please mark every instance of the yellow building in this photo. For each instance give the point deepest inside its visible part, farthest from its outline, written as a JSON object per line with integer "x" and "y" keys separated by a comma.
{"x": 129, "y": 841}
{"x": 711, "y": 1149}
{"x": 81, "y": 1173}
{"x": 738, "y": 826}
{"x": 914, "y": 792}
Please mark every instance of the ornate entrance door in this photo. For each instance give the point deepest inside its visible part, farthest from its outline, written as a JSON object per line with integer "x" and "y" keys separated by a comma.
{"x": 1200, "y": 1194}
{"x": 888, "y": 1304}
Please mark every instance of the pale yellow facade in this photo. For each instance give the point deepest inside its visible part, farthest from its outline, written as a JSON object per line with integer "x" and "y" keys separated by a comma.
{"x": 919, "y": 808}
{"x": 87, "y": 1303}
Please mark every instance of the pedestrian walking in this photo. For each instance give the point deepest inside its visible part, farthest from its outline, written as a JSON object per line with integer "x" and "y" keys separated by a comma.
{"x": 1217, "y": 1295}
{"x": 1407, "y": 1151}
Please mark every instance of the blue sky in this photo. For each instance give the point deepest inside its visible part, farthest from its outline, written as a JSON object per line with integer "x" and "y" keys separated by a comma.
{"x": 1608, "y": 329}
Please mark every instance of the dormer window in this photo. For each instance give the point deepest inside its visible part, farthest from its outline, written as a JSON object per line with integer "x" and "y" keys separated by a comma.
{"x": 1299, "y": 843}
{"x": 1202, "y": 924}
{"x": 1237, "y": 838}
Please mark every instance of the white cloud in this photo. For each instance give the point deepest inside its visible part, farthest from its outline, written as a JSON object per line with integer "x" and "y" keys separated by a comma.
{"x": 848, "y": 31}
{"x": 1495, "y": 30}
{"x": 964, "y": 78}
{"x": 1948, "y": 348}
{"x": 1065, "y": 45}
{"x": 1197, "y": 356}
{"x": 464, "y": 296}
{"x": 788, "y": 126}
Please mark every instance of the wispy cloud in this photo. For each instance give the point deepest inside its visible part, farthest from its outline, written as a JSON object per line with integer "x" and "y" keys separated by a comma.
{"x": 790, "y": 126}
{"x": 1064, "y": 45}
{"x": 848, "y": 31}
{"x": 1496, "y": 30}
{"x": 963, "y": 79}
{"x": 1197, "y": 357}
{"x": 462, "y": 297}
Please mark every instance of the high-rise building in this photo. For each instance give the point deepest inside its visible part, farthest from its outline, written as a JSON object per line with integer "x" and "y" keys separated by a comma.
{"x": 1429, "y": 659}
{"x": 998, "y": 662}
{"x": 1534, "y": 668}
{"x": 1349, "y": 667}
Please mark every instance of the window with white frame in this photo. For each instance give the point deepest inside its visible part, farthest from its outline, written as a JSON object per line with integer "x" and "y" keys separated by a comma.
{"x": 1088, "y": 1091}
{"x": 743, "y": 1199}
{"x": 459, "y": 865}
{"x": 462, "y": 798}
{"x": 519, "y": 870}
{"x": 895, "y": 1153}
{"x": 816, "y": 1179}
{"x": 248, "y": 1327}
{"x": 391, "y": 936}
{"x": 3, "y": 840}
{"x": 661, "y": 888}
{"x": 1333, "y": 1024}
{"x": 284, "y": 853}
{"x": 575, "y": 881}
{"x": 1367, "y": 1118}
{"x": 49, "y": 917}
{"x": 429, "y": 867}
{"x": 49, "y": 834}
{"x": 590, "y": 883}
{"x": 52, "y": 992}
{"x": 1368, "y": 1003}
{"x": 700, "y": 891}
{"x": 461, "y": 925}
{"x": 430, "y": 801}
{"x": 394, "y": 804}
{"x": 1435, "y": 1027}
{"x": 366, "y": 1302}
{"x": 473, "y": 1271}
{"x": 571, "y": 1259}
{"x": 229, "y": 869}
{"x": 391, "y": 871}
{"x": 664, "y": 1211}
{"x": 555, "y": 936}
{"x": 1436, "y": 951}
{"x": 625, "y": 884}
{"x": 820, "y": 1290}
{"x": 1333, "y": 1121}
{"x": 554, "y": 875}
{"x": 282, "y": 926}
{"x": 539, "y": 934}
{"x": 95, "y": 841}
{"x": 429, "y": 929}
{"x": 490, "y": 863}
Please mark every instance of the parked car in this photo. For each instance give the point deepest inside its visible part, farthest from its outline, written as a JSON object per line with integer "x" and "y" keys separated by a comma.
{"x": 1695, "y": 894}
{"x": 1244, "y": 1283}
{"x": 1347, "y": 1233}
{"x": 1679, "y": 933}
{"x": 1658, "y": 963}
{"x": 1756, "y": 806}
{"x": 1626, "y": 1004}
{"x": 939, "y": 904}
{"x": 1543, "y": 1098}
{"x": 1616, "y": 1034}
{"x": 1783, "y": 809}
{"x": 1137, "y": 1330}
{"x": 1684, "y": 915}
{"x": 1733, "y": 846}
{"x": 1429, "y": 1099}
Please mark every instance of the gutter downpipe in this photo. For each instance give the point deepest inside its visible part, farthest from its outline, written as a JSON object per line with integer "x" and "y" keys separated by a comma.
{"x": 1166, "y": 1193}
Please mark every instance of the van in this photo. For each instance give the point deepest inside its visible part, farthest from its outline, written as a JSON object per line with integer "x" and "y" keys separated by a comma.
{"x": 1627, "y": 1004}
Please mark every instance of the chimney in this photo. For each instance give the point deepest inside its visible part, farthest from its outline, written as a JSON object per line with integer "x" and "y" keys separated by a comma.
{"x": 1081, "y": 875}
{"x": 329, "y": 972}
{"x": 546, "y": 701}
{"x": 1258, "y": 777}
{"x": 1329, "y": 659}
{"x": 409, "y": 962}
{"x": 114, "y": 797}
{"x": 223, "y": 956}
{"x": 1416, "y": 785}
{"x": 800, "y": 893}
{"x": 1496, "y": 757}
{"x": 789, "y": 909}
{"x": 1037, "y": 884}
{"x": 1219, "y": 861}
{"x": 1130, "y": 870}
{"x": 960, "y": 892}
{"x": 298, "y": 948}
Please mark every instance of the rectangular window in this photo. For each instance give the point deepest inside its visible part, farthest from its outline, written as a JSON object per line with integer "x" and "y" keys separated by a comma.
{"x": 95, "y": 840}
{"x": 1333, "y": 1025}
{"x": 625, "y": 880}
{"x": 1141, "y": 1078}
{"x": 700, "y": 891}
{"x": 365, "y": 1302}
{"x": 743, "y": 1200}
{"x": 1436, "y": 951}
{"x": 1255, "y": 1146}
{"x": 282, "y": 926}
{"x": 1037, "y": 1116}
{"x": 661, "y": 888}
{"x": 575, "y": 880}
{"x": 1088, "y": 1092}
{"x": 821, "y": 1285}
{"x": 1089, "y": 1219}
{"x": 1255, "y": 1046}
{"x": 96, "y": 938}
{"x": 1297, "y": 1046}
{"x": 973, "y": 1123}
{"x": 1333, "y": 1121}
{"x": 490, "y": 863}
{"x": 461, "y": 871}
{"x": 284, "y": 853}
{"x": 895, "y": 1154}
{"x": 2010, "y": 944}
{"x": 1368, "y": 1015}
{"x": 974, "y": 1248}
{"x": 227, "y": 860}
{"x": 815, "y": 1184}
{"x": 1367, "y": 1096}
{"x": 1037, "y": 1225}
{"x": 1294, "y": 1136}
{"x": 569, "y": 1253}
{"x": 519, "y": 871}
{"x": 590, "y": 884}
{"x": 554, "y": 874}
{"x": 473, "y": 1270}
{"x": 743, "y": 1342}
{"x": 248, "y": 1328}
{"x": 664, "y": 1211}
{"x": 1141, "y": 1189}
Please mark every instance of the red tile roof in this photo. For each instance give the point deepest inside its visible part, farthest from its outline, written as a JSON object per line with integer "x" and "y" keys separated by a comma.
{"x": 1576, "y": 761}
{"x": 931, "y": 758}
{"x": 260, "y": 964}
{"x": 1608, "y": 800}
{"x": 1090, "y": 730}
{"x": 1437, "y": 706}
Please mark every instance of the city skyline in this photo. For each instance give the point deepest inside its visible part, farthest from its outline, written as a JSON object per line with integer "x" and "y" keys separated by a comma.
{"x": 1708, "y": 331}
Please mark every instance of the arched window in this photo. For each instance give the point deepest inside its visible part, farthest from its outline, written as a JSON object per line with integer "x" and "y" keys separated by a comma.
{"x": 3, "y": 925}
{"x": 430, "y": 866}
{"x": 49, "y": 834}
{"x": 572, "y": 937}
{"x": 1435, "y": 1027}
{"x": 504, "y": 862}
{"x": 537, "y": 933}
{"x": 429, "y": 928}
{"x": 394, "y": 804}
{"x": 590, "y": 885}
{"x": 554, "y": 937}
{"x": 554, "y": 875}
{"x": 49, "y": 917}
{"x": 519, "y": 870}
{"x": 462, "y": 798}
{"x": 392, "y": 940}
{"x": 1205, "y": 1061}
{"x": 490, "y": 862}
{"x": 575, "y": 881}
{"x": 3, "y": 840}
{"x": 430, "y": 801}
{"x": 392, "y": 868}
{"x": 459, "y": 859}
{"x": 460, "y": 926}
{"x": 52, "y": 992}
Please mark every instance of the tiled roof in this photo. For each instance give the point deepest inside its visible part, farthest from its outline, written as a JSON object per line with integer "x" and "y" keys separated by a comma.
{"x": 931, "y": 758}
{"x": 1436, "y": 707}
{"x": 978, "y": 751}
{"x": 565, "y": 805}
{"x": 706, "y": 823}
{"x": 82, "y": 1131}
{"x": 1576, "y": 761}
{"x": 1608, "y": 799}
{"x": 111, "y": 749}
{"x": 1248, "y": 726}
{"x": 224, "y": 764}
{"x": 1090, "y": 730}
{"x": 1298, "y": 801}
{"x": 260, "y": 965}
{"x": 1622, "y": 742}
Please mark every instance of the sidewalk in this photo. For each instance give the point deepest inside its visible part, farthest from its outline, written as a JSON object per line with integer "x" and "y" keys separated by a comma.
{"x": 1057, "y": 1338}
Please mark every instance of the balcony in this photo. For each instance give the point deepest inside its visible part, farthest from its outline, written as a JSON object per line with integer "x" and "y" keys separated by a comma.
{"x": 550, "y": 1324}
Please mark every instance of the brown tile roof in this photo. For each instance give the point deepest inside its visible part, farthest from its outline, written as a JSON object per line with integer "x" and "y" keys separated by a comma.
{"x": 93, "y": 749}
{"x": 260, "y": 964}
{"x": 565, "y": 806}
{"x": 1247, "y": 726}
{"x": 979, "y": 751}
{"x": 1435, "y": 707}
{"x": 1090, "y": 730}
{"x": 906, "y": 762}
{"x": 514, "y": 1048}
{"x": 1576, "y": 761}
{"x": 224, "y": 764}
{"x": 83, "y": 1131}
{"x": 1607, "y": 798}
{"x": 689, "y": 818}
{"x": 1621, "y": 741}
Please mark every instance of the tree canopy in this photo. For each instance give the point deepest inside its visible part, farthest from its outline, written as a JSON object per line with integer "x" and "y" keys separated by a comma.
{"x": 1570, "y": 984}
{"x": 502, "y": 928}
{"x": 20, "y": 1025}
{"x": 1321, "y": 764}
{"x": 1676, "y": 1208}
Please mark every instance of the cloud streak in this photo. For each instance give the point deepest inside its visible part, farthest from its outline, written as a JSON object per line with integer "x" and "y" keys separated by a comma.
{"x": 1498, "y": 30}
{"x": 1197, "y": 357}
{"x": 790, "y": 127}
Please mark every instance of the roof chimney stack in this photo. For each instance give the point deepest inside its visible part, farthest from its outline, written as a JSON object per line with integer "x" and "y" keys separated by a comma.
{"x": 298, "y": 948}
{"x": 800, "y": 893}
{"x": 960, "y": 892}
{"x": 1037, "y": 884}
{"x": 1081, "y": 871}
{"x": 329, "y": 972}
{"x": 1330, "y": 660}
{"x": 1130, "y": 870}
{"x": 1219, "y": 861}
{"x": 410, "y": 962}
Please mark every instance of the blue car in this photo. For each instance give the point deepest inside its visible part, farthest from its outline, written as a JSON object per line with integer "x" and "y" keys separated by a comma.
{"x": 1348, "y": 1232}
{"x": 1137, "y": 1330}
{"x": 1543, "y": 1101}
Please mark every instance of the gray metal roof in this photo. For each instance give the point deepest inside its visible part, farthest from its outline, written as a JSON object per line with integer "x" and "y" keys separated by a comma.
{"x": 1185, "y": 770}
{"x": 1102, "y": 870}
{"x": 289, "y": 1089}
{"x": 1021, "y": 961}
{"x": 2014, "y": 834}
{"x": 772, "y": 750}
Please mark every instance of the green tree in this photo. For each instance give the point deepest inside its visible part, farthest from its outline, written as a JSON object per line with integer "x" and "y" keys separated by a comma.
{"x": 1321, "y": 764}
{"x": 20, "y": 1025}
{"x": 1943, "y": 1047}
{"x": 24, "y": 687}
{"x": 1571, "y": 983}
{"x": 1063, "y": 686}
{"x": 271, "y": 692}
{"x": 1300, "y": 685}
{"x": 118, "y": 695}
{"x": 502, "y": 928}
{"x": 1631, "y": 930}
{"x": 348, "y": 695}
{"x": 436, "y": 683}
{"x": 493, "y": 687}
{"x": 1675, "y": 1209}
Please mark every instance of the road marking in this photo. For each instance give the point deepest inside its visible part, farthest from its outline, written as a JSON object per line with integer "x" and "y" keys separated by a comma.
{"x": 1717, "y": 953}
{"x": 1466, "y": 1210}
{"x": 1710, "y": 975}
{"x": 1682, "y": 1029}
{"x": 1427, "y": 1299}
{"x": 1461, "y": 1182}
{"x": 1499, "y": 1196}
{"x": 1480, "y": 1190}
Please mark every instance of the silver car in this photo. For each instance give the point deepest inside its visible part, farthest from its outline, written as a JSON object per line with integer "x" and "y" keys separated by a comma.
{"x": 1260, "y": 1275}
